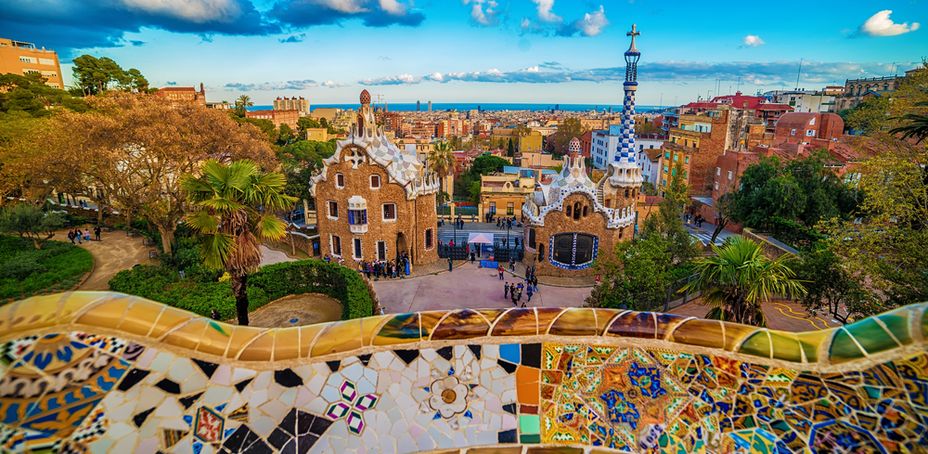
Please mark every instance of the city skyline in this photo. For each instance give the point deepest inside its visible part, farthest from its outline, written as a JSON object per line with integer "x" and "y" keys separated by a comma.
{"x": 542, "y": 51}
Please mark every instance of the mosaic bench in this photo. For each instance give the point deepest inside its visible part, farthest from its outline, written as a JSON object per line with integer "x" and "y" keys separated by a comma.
{"x": 106, "y": 372}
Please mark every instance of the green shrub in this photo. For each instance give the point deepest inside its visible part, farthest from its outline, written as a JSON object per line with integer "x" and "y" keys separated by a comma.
{"x": 21, "y": 267}
{"x": 26, "y": 271}
{"x": 162, "y": 283}
{"x": 317, "y": 276}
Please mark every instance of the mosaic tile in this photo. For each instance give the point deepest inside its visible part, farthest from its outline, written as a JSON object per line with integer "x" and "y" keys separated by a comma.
{"x": 323, "y": 389}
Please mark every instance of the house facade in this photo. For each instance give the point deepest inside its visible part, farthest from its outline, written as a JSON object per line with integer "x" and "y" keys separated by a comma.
{"x": 375, "y": 201}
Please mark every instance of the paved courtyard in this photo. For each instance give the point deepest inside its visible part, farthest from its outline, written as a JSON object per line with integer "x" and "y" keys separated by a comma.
{"x": 466, "y": 287}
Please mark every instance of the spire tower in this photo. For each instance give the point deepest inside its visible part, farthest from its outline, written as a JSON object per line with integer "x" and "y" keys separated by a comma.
{"x": 625, "y": 171}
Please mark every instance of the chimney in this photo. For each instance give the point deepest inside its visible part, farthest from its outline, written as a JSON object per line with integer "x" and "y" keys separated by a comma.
{"x": 202, "y": 90}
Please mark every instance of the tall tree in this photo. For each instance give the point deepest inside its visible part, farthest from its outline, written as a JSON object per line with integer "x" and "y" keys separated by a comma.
{"x": 441, "y": 161}
{"x": 738, "y": 279}
{"x": 233, "y": 208}
{"x": 639, "y": 274}
{"x": 885, "y": 250}
{"x": 97, "y": 75}
{"x": 242, "y": 103}
{"x": 29, "y": 221}
{"x": 134, "y": 150}
{"x": 568, "y": 129}
{"x": 914, "y": 124}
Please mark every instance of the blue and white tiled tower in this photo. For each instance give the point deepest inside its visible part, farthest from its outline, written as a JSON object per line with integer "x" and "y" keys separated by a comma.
{"x": 625, "y": 171}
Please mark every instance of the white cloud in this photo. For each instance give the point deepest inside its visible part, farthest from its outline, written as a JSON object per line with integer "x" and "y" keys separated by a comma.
{"x": 393, "y": 7}
{"x": 880, "y": 24}
{"x": 544, "y": 11}
{"x": 332, "y": 84}
{"x": 482, "y": 12}
{"x": 767, "y": 74}
{"x": 593, "y": 23}
{"x": 198, "y": 11}
{"x": 753, "y": 41}
{"x": 344, "y": 6}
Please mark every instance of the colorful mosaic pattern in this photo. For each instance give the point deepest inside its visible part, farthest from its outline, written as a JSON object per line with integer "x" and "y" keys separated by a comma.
{"x": 101, "y": 372}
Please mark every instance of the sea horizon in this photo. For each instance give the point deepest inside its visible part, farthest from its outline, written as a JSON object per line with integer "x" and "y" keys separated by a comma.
{"x": 485, "y": 106}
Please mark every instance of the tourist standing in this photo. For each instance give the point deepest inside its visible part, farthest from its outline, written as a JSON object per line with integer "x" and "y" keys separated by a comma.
{"x": 96, "y": 233}
{"x": 528, "y": 292}
{"x": 499, "y": 269}
{"x": 450, "y": 264}
{"x": 506, "y": 291}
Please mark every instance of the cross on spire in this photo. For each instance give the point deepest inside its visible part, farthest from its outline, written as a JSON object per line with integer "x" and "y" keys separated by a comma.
{"x": 633, "y": 33}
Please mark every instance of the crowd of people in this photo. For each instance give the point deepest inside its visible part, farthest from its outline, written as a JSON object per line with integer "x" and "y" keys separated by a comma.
{"x": 387, "y": 269}
{"x": 513, "y": 291}
{"x": 78, "y": 236}
{"x": 697, "y": 220}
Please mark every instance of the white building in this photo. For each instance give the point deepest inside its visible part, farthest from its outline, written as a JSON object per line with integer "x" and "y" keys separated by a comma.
{"x": 803, "y": 100}
{"x": 649, "y": 160}
{"x": 603, "y": 145}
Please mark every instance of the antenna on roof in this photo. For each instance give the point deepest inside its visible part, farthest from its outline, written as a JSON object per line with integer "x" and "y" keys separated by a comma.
{"x": 798, "y": 73}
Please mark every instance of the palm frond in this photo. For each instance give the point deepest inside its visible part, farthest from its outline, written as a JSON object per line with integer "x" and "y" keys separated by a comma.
{"x": 203, "y": 222}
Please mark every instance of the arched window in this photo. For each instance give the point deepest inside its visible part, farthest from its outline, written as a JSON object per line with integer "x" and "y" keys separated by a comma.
{"x": 626, "y": 193}
{"x": 569, "y": 211}
{"x": 586, "y": 210}
{"x": 375, "y": 181}
{"x": 576, "y": 211}
{"x": 573, "y": 251}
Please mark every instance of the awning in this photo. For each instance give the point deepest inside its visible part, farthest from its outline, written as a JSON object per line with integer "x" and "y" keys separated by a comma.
{"x": 480, "y": 238}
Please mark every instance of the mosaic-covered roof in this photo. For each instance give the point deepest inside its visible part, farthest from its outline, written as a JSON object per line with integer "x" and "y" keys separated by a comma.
{"x": 403, "y": 167}
{"x": 572, "y": 180}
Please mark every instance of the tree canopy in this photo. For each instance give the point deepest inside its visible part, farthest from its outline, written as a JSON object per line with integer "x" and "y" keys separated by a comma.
{"x": 642, "y": 274}
{"x": 133, "y": 149}
{"x": 97, "y": 75}
{"x": 29, "y": 94}
{"x": 788, "y": 200}
{"x": 568, "y": 129}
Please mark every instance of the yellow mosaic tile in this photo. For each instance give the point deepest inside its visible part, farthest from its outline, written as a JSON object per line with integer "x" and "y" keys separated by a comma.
{"x": 106, "y": 313}
{"x": 187, "y": 335}
{"x": 261, "y": 348}
{"x": 338, "y": 337}
{"x": 287, "y": 345}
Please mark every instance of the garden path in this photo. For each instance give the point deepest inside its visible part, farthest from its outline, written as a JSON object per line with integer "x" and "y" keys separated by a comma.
{"x": 116, "y": 252}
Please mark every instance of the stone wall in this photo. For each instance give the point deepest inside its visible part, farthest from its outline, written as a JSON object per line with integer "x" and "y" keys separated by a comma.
{"x": 99, "y": 372}
{"x": 413, "y": 217}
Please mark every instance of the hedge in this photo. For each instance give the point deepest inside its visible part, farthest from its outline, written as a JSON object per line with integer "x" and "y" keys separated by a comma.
{"x": 317, "y": 276}
{"x": 27, "y": 271}
{"x": 163, "y": 284}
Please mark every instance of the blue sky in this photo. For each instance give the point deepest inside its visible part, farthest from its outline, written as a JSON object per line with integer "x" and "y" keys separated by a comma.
{"x": 479, "y": 50}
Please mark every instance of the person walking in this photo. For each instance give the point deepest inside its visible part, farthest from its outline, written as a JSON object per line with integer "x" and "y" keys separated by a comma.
{"x": 71, "y": 236}
{"x": 96, "y": 233}
{"x": 512, "y": 264}
{"x": 79, "y": 235}
{"x": 512, "y": 293}
{"x": 499, "y": 269}
{"x": 529, "y": 292}
{"x": 506, "y": 291}
{"x": 450, "y": 264}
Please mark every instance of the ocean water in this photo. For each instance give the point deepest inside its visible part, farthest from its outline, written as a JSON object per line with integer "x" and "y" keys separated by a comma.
{"x": 488, "y": 106}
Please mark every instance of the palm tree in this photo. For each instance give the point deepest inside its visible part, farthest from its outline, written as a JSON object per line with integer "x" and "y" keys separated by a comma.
{"x": 441, "y": 160}
{"x": 739, "y": 278}
{"x": 242, "y": 104}
{"x": 917, "y": 126}
{"x": 233, "y": 210}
